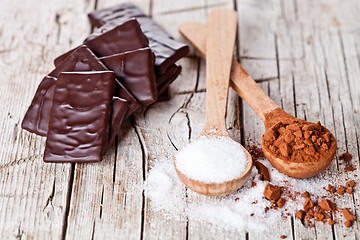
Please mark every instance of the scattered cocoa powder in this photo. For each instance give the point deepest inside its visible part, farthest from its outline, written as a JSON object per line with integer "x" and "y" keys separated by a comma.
{"x": 263, "y": 171}
{"x": 346, "y": 157}
{"x": 296, "y": 140}
{"x": 331, "y": 189}
{"x": 255, "y": 152}
{"x": 349, "y": 168}
{"x": 321, "y": 211}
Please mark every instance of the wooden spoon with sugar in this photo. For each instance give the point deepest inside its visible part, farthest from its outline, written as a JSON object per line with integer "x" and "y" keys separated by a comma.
{"x": 214, "y": 164}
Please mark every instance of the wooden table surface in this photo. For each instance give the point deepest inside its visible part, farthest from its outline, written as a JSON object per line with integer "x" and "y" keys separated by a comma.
{"x": 304, "y": 53}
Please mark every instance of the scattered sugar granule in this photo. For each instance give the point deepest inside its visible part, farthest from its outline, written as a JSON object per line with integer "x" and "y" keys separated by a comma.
{"x": 212, "y": 160}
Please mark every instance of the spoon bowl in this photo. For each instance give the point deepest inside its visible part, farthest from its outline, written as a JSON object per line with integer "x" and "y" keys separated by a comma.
{"x": 295, "y": 169}
{"x": 298, "y": 170}
{"x": 218, "y": 189}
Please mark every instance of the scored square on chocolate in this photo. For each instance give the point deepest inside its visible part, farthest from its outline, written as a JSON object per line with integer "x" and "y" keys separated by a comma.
{"x": 135, "y": 70}
{"x": 125, "y": 37}
{"x": 79, "y": 122}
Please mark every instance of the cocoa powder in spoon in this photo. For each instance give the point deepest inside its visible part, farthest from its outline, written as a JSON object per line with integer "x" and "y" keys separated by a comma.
{"x": 299, "y": 141}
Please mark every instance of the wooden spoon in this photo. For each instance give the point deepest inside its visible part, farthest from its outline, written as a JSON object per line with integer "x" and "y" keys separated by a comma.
{"x": 221, "y": 34}
{"x": 264, "y": 107}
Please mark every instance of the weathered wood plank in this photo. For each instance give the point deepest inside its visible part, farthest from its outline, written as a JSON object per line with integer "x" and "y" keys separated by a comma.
{"x": 33, "y": 194}
{"x": 164, "y": 128}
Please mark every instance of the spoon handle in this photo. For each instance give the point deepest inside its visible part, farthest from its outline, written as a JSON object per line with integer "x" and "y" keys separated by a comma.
{"x": 220, "y": 42}
{"x": 241, "y": 81}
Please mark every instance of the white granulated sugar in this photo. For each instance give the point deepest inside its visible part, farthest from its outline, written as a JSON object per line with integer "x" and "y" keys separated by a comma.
{"x": 212, "y": 159}
{"x": 170, "y": 197}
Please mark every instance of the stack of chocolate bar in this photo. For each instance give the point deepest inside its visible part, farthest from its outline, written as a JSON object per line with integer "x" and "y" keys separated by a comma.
{"x": 127, "y": 62}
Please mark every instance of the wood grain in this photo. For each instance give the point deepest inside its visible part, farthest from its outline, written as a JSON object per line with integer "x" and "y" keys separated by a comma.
{"x": 220, "y": 42}
{"x": 303, "y": 54}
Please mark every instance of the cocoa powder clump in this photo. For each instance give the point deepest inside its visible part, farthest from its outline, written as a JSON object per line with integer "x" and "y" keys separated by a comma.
{"x": 327, "y": 205}
{"x": 263, "y": 171}
{"x": 347, "y": 214}
{"x": 331, "y": 222}
{"x": 346, "y": 157}
{"x": 298, "y": 141}
{"x": 300, "y": 215}
{"x": 272, "y": 192}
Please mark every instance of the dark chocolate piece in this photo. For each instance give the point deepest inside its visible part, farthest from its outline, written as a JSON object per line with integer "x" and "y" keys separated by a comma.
{"x": 37, "y": 117}
{"x": 100, "y": 17}
{"x": 166, "y": 96}
{"x": 125, "y": 37}
{"x": 167, "y": 50}
{"x": 162, "y": 88}
{"x": 79, "y": 122}
{"x": 81, "y": 59}
{"x": 119, "y": 108}
{"x": 120, "y": 38}
{"x": 135, "y": 70}
{"x": 170, "y": 72}
{"x": 122, "y": 92}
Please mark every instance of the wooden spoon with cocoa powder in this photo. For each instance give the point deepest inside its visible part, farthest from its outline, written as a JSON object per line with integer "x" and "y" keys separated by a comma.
{"x": 295, "y": 147}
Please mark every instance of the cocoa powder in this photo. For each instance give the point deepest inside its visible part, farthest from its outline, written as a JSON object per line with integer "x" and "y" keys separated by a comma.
{"x": 295, "y": 140}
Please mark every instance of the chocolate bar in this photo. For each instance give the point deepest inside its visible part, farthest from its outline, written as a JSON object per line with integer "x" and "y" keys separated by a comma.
{"x": 79, "y": 122}
{"x": 37, "y": 117}
{"x": 135, "y": 69}
{"x": 118, "y": 110}
{"x": 123, "y": 37}
{"x": 167, "y": 50}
